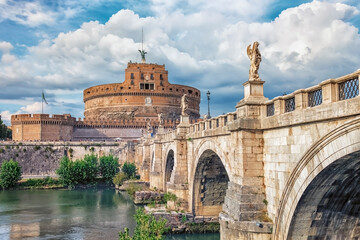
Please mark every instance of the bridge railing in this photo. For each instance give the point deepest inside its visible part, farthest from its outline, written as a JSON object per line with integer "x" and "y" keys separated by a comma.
{"x": 212, "y": 126}
{"x": 328, "y": 91}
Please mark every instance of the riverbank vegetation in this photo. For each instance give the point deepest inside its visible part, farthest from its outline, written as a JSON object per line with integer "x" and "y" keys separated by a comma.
{"x": 10, "y": 174}
{"x": 89, "y": 171}
{"x": 147, "y": 227}
{"x": 86, "y": 170}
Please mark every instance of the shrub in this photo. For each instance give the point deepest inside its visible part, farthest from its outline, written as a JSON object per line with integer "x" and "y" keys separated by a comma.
{"x": 2, "y": 150}
{"x": 147, "y": 227}
{"x": 10, "y": 173}
{"x": 119, "y": 178}
{"x": 108, "y": 167}
{"x": 129, "y": 169}
{"x": 39, "y": 182}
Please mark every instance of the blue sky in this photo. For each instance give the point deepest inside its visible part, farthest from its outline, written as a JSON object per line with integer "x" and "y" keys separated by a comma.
{"x": 63, "y": 47}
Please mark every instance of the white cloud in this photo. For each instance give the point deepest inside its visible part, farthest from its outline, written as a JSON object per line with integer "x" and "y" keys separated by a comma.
{"x": 33, "y": 108}
{"x": 5, "y": 47}
{"x": 27, "y": 13}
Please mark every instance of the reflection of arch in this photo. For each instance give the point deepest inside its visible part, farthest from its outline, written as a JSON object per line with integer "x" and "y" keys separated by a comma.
{"x": 169, "y": 167}
{"x": 334, "y": 146}
{"x": 210, "y": 185}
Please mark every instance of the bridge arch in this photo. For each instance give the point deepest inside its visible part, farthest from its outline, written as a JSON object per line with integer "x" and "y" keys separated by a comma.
{"x": 168, "y": 164}
{"x": 315, "y": 183}
{"x": 209, "y": 179}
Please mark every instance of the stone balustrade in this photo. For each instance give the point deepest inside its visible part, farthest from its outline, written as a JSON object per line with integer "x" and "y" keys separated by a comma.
{"x": 328, "y": 91}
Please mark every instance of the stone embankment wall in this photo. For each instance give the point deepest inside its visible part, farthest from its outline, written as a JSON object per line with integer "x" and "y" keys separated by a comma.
{"x": 42, "y": 158}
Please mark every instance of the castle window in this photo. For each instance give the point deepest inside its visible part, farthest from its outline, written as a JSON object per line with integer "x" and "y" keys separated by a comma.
{"x": 151, "y": 86}
{"x": 142, "y": 76}
{"x": 132, "y": 75}
{"x": 190, "y": 91}
{"x": 163, "y": 89}
{"x": 152, "y": 76}
{"x": 170, "y": 89}
{"x": 132, "y": 82}
{"x": 129, "y": 87}
{"x": 161, "y": 77}
{"x": 107, "y": 89}
{"x": 142, "y": 86}
{"x": 196, "y": 93}
{"x": 121, "y": 88}
{"x": 177, "y": 90}
{"x": 88, "y": 92}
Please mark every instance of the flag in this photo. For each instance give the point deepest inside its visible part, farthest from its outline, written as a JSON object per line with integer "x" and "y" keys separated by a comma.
{"x": 43, "y": 97}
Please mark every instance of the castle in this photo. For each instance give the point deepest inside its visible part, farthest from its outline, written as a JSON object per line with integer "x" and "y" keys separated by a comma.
{"x": 116, "y": 111}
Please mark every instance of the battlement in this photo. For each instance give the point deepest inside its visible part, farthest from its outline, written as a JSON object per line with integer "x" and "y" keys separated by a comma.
{"x": 149, "y": 66}
{"x": 57, "y": 119}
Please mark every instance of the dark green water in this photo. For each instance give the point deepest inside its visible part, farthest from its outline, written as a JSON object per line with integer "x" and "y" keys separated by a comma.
{"x": 63, "y": 214}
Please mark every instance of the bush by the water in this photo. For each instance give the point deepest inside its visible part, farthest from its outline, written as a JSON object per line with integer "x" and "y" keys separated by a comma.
{"x": 40, "y": 182}
{"x": 109, "y": 166}
{"x": 119, "y": 178}
{"x": 147, "y": 227}
{"x": 129, "y": 169}
{"x": 10, "y": 173}
{"x": 81, "y": 171}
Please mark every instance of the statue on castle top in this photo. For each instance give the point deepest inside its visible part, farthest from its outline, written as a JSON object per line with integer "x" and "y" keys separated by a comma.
{"x": 161, "y": 119}
{"x": 184, "y": 105}
{"x": 142, "y": 53}
{"x": 255, "y": 59}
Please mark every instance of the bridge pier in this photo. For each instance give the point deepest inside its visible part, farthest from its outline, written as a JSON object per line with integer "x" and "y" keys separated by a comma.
{"x": 156, "y": 173}
{"x": 244, "y": 212}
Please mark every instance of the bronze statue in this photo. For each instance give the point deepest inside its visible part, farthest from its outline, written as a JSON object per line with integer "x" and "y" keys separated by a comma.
{"x": 142, "y": 53}
{"x": 184, "y": 105}
{"x": 255, "y": 59}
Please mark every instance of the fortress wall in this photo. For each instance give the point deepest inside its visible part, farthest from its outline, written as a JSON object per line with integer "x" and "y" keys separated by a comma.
{"x": 42, "y": 158}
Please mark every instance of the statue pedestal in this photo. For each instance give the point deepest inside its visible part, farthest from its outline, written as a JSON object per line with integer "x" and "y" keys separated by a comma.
{"x": 161, "y": 130}
{"x": 253, "y": 89}
{"x": 184, "y": 120}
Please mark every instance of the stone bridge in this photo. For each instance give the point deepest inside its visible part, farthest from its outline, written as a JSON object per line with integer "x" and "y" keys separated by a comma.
{"x": 286, "y": 168}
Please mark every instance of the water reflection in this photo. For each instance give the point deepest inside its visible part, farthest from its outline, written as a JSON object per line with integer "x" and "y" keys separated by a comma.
{"x": 62, "y": 214}
{"x": 76, "y": 214}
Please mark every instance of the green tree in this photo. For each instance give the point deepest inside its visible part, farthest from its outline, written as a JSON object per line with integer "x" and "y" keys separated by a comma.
{"x": 10, "y": 173}
{"x": 129, "y": 169}
{"x": 66, "y": 172}
{"x": 81, "y": 171}
{"x": 108, "y": 167}
{"x": 147, "y": 227}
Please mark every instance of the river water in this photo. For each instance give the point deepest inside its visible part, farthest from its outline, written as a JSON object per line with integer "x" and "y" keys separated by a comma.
{"x": 75, "y": 214}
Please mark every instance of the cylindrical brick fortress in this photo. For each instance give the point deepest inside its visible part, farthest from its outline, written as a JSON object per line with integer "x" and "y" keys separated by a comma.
{"x": 143, "y": 95}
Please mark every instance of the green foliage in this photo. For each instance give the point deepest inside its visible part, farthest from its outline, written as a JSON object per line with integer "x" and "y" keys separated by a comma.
{"x": 132, "y": 189}
{"x": 183, "y": 218}
{"x": 10, "y": 173}
{"x": 40, "y": 182}
{"x": 119, "y": 178}
{"x": 2, "y": 150}
{"x": 37, "y": 148}
{"x": 147, "y": 227}
{"x": 81, "y": 171}
{"x": 170, "y": 197}
{"x": 108, "y": 167}
{"x": 4, "y": 131}
{"x": 129, "y": 169}
{"x": 92, "y": 149}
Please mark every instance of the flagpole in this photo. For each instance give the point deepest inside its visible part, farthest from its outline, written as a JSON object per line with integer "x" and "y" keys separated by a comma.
{"x": 42, "y": 103}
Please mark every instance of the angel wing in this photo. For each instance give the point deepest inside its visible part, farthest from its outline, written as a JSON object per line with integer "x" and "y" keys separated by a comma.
{"x": 249, "y": 50}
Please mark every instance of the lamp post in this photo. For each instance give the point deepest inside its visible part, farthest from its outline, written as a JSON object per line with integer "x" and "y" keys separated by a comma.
{"x": 208, "y": 98}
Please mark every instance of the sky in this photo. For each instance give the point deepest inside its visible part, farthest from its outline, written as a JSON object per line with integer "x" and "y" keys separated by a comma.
{"x": 63, "y": 47}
